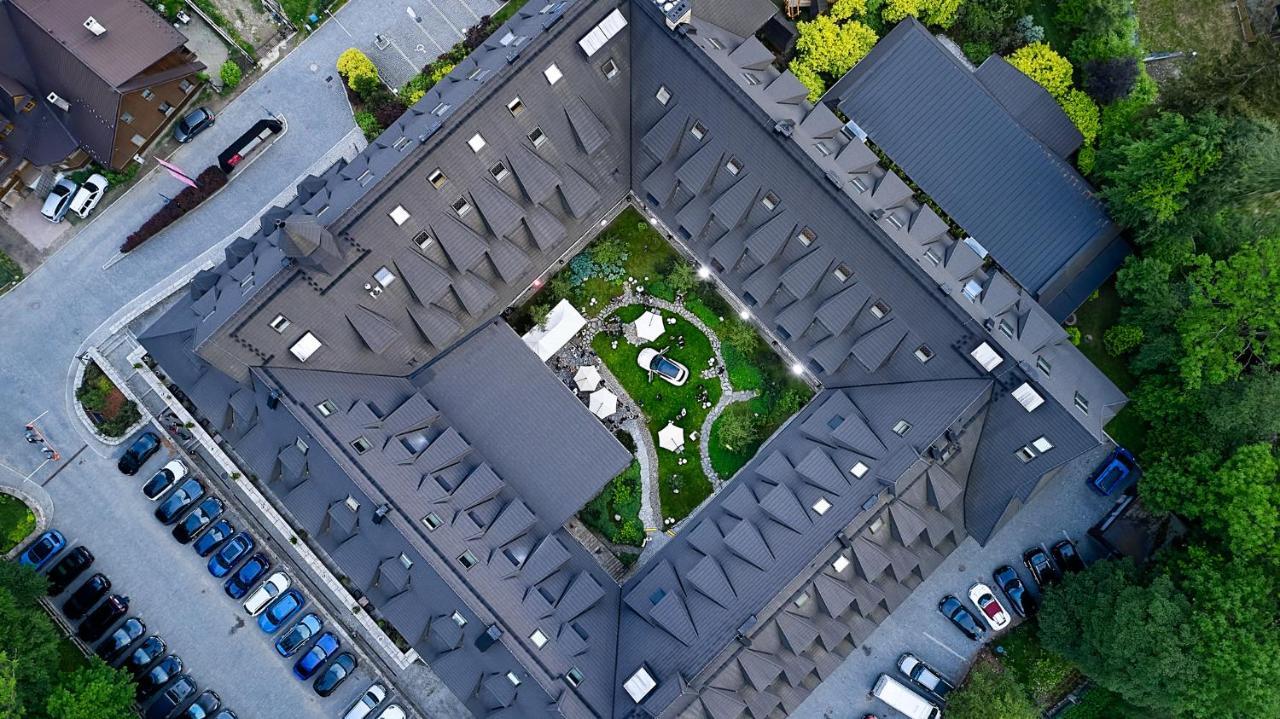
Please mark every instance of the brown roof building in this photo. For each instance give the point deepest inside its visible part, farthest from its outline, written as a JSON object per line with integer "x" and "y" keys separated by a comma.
{"x": 85, "y": 79}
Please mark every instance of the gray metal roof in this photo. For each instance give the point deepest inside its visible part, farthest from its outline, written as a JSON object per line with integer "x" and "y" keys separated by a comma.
{"x": 462, "y": 422}
{"x": 955, "y": 138}
{"x": 1032, "y": 105}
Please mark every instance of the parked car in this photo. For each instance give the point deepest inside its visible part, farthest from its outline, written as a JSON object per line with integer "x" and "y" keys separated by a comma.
{"x": 281, "y": 611}
{"x": 58, "y": 201}
{"x": 179, "y": 500}
{"x": 270, "y": 589}
{"x": 161, "y": 481}
{"x": 393, "y": 711}
{"x": 652, "y": 361}
{"x": 297, "y": 636}
{"x": 1114, "y": 472}
{"x": 989, "y": 606}
{"x": 1041, "y": 567}
{"x": 952, "y": 609}
{"x": 924, "y": 676}
{"x": 309, "y": 663}
{"x": 199, "y": 518}
{"x": 138, "y": 453}
{"x": 193, "y": 123}
{"x": 144, "y": 655}
{"x": 1067, "y": 557}
{"x": 172, "y": 698}
{"x": 904, "y": 699}
{"x": 203, "y": 707}
{"x": 89, "y": 195}
{"x": 1022, "y": 601}
{"x": 213, "y": 537}
{"x": 115, "y": 646}
{"x": 68, "y": 569}
{"x": 367, "y": 702}
{"x": 103, "y": 618}
{"x": 230, "y": 554}
{"x": 239, "y": 584}
{"x": 342, "y": 666}
{"x": 40, "y": 552}
{"x": 85, "y": 596}
{"x": 158, "y": 676}
{"x": 224, "y": 714}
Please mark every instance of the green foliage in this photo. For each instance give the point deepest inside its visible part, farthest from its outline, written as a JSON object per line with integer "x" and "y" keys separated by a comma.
{"x": 941, "y": 13}
{"x": 826, "y": 49}
{"x": 100, "y": 397}
{"x": 368, "y": 124}
{"x": 357, "y": 68}
{"x": 682, "y": 278}
{"x": 740, "y": 335}
{"x": 1050, "y": 70}
{"x": 540, "y": 312}
{"x": 1073, "y": 335}
{"x": 28, "y": 637}
{"x": 230, "y": 74}
{"x": 93, "y": 692}
{"x": 810, "y": 78}
{"x": 1083, "y": 113}
{"x": 989, "y": 22}
{"x": 1244, "y": 78}
{"x": 845, "y": 9}
{"x": 1041, "y": 673}
{"x": 1101, "y": 29}
{"x": 988, "y": 692}
{"x": 16, "y": 522}
{"x": 1122, "y": 339}
{"x": 739, "y": 426}
{"x": 977, "y": 52}
{"x": 621, "y": 497}
{"x": 1098, "y": 703}
{"x": 9, "y": 705}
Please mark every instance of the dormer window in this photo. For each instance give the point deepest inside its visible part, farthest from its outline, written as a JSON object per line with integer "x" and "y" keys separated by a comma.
{"x": 538, "y": 638}
{"x": 751, "y": 78}
{"x": 609, "y": 68}
{"x": 698, "y": 130}
{"x": 879, "y": 309}
{"x": 468, "y": 559}
{"x": 1082, "y": 404}
{"x": 499, "y": 171}
{"x": 402, "y": 143}
{"x": 972, "y": 290}
{"x": 432, "y": 522}
{"x": 351, "y": 503}
{"x": 361, "y": 445}
{"x": 537, "y": 136}
{"x": 440, "y": 109}
{"x": 1006, "y": 329}
{"x": 423, "y": 240}
{"x": 923, "y": 353}
{"x": 574, "y": 677}
{"x": 842, "y": 272}
{"x": 807, "y": 236}
{"x": 858, "y": 470}
{"x": 840, "y": 564}
{"x": 384, "y": 277}
{"x": 715, "y": 43}
{"x": 437, "y": 178}
{"x": 461, "y": 206}
{"x": 515, "y": 106}
{"x": 326, "y": 408}
{"x": 769, "y": 201}
{"x": 458, "y": 619}
{"x": 932, "y": 256}
{"x": 1043, "y": 365}
{"x": 280, "y": 323}
{"x": 733, "y": 166}
{"x": 821, "y": 506}
{"x": 901, "y": 427}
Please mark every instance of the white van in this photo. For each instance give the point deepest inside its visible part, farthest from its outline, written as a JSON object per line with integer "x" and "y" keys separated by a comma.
{"x": 897, "y": 695}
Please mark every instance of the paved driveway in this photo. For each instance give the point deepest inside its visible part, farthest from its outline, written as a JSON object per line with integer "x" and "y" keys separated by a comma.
{"x": 1067, "y": 507}
{"x": 170, "y": 589}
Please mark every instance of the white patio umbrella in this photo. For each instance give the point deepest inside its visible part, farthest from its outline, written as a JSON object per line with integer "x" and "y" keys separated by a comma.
{"x": 671, "y": 437}
{"x": 649, "y": 326}
{"x": 588, "y": 378}
{"x": 603, "y": 403}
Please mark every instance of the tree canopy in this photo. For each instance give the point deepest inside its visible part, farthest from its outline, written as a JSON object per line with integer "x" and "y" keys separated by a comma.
{"x": 93, "y": 692}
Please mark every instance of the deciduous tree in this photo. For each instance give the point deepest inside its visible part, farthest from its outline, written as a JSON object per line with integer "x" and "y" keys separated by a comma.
{"x": 93, "y": 692}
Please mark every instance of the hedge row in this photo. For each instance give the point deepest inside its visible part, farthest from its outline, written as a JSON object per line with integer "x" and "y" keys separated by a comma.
{"x": 208, "y": 182}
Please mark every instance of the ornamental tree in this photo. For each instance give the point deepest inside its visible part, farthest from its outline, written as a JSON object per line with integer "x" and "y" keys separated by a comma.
{"x": 1050, "y": 70}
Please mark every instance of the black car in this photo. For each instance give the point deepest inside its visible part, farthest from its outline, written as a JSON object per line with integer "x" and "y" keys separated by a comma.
{"x": 193, "y": 123}
{"x": 213, "y": 537}
{"x": 199, "y": 518}
{"x": 952, "y": 609}
{"x": 68, "y": 569}
{"x": 203, "y": 707}
{"x": 1011, "y": 584}
{"x": 161, "y": 674}
{"x": 224, "y": 714}
{"x": 1067, "y": 556}
{"x": 187, "y": 494}
{"x": 85, "y": 596}
{"x": 138, "y": 453}
{"x": 144, "y": 655}
{"x": 115, "y": 646}
{"x": 342, "y": 666}
{"x": 1041, "y": 567}
{"x": 103, "y": 618}
{"x": 171, "y": 699}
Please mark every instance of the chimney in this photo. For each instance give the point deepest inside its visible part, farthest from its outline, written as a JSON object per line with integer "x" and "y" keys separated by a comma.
{"x": 94, "y": 26}
{"x": 677, "y": 12}
{"x": 57, "y": 101}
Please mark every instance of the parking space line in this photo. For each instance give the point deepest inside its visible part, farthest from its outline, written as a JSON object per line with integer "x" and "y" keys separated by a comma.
{"x": 951, "y": 651}
{"x": 448, "y": 22}
{"x": 65, "y": 464}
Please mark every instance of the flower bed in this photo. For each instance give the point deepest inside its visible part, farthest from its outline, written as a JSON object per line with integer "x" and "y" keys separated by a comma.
{"x": 208, "y": 182}
{"x": 112, "y": 413}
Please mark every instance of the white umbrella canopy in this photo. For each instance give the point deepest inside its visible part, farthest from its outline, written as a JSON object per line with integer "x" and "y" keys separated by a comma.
{"x": 649, "y": 326}
{"x": 588, "y": 378}
{"x": 603, "y": 403}
{"x": 671, "y": 437}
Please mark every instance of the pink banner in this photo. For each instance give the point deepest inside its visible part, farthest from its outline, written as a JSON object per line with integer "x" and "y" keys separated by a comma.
{"x": 177, "y": 173}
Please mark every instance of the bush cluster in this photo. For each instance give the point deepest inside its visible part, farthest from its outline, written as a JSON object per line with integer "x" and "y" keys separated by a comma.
{"x": 230, "y": 74}
{"x": 208, "y": 182}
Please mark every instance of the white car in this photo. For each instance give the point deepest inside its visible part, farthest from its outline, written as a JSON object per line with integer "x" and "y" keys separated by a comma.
{"x": 89, "y": 195}
{"x": 58, "y": 201}
{"x": 161, "y": 481}
{"x": 371, "y": 698}
{"x": 269, "y": 590}
{"x": 392, "y": 712}
{"x": 654, "y": 362}
{"x": 989, "y": 607}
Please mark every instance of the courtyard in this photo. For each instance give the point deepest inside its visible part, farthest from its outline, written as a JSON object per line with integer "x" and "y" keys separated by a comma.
{"x": 639, "y": 296}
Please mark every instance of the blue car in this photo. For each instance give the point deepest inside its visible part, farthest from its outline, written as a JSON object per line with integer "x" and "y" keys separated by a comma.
{"x": 239, "y": 584}
{"x": 230, "y": 554}
{"x": 280, "y": 611}
{"x": 1115, "y": 472}
{"x": 308, "y": 664}
{"x": 38, "y": 554}
{"x": 301, "y": 633}
{"x": 214, "y": 537}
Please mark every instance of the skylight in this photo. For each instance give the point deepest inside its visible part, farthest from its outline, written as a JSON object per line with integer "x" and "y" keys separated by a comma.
{"x": 1027, "y": 396}
{"x": 640, "y": 684}
{"x": 602, "y": 33}
{"x": 987, "y": 357}
{"x": 305, "y": 347}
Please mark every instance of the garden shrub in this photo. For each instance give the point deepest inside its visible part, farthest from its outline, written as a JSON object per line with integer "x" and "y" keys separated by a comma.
{"x": 208, "y": 182}
{"x": 930, "y": 12}
{"x": 620, "y": 497}
{"x": 990, "y": 691}
{"x": 1041, "y": 673}
{"x": 368, "y": 124}
{"x": 99, "y": 396}
{"x": 977, "y": 51}
{"x": 1073, "y": 335}
{"x": 1110, "y": 79}
{"x": 740, "y": 335}
{"x": 1122, "y": 339}
{"x": 739, "y": 427}
{"x": 357, "y": 68}
{"x": 388, "y": 111}
{"x": 1050, "y": 70}
{"x": 230, "y": 74}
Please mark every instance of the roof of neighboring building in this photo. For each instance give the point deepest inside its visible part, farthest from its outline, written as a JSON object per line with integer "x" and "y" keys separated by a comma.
{"x": 740, "y": 17}
{"x": 964, "y": 145}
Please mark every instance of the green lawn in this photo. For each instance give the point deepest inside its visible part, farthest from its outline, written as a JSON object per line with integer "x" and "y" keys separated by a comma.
{"x": 10, "y": 272}
{"x": 1093, "y": 318}
{"x": 621, "y": 498}
{"x": 1201, "y": 25}
{"x": 682, "y": 487}
{"x": 16, "y": 522}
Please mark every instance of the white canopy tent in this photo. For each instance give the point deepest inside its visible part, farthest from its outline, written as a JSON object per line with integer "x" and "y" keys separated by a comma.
{"x": 671, "y": 437}
{"x": 649, "y": 326}
{"x": 603, "y": 403}
{"x": 588, "y": 378}
{"x": 562, "y": 324}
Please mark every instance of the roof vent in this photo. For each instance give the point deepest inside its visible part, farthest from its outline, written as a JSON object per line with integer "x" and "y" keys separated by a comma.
{"x": 56, "y": 100}
{"x": 785, "y": 127}
{"x": 95, "y": 27}
{"x": 677, "y": 12}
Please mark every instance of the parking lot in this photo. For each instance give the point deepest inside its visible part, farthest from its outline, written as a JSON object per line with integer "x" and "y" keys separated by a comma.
{"x": 1064, "y": 508}
{"x": 171, "y": 590}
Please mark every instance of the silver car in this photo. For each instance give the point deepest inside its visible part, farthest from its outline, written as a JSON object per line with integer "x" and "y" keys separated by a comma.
{"x": 59, "y": 200}
{"x": 924, "y": 676}
{"x": 367, "y": 702}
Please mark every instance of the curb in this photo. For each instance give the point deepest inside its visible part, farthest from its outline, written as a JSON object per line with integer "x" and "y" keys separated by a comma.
{"x": 110, "y": 371}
